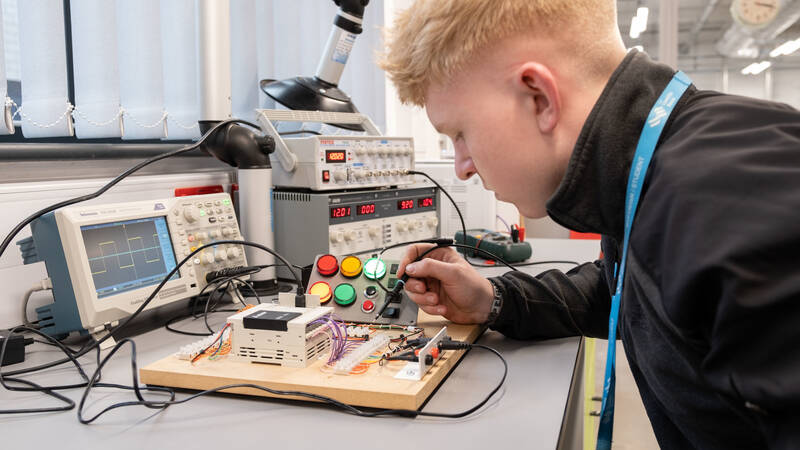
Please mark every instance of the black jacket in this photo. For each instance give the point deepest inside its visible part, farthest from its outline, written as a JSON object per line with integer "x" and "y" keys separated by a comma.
{"x": 710, "y": 315}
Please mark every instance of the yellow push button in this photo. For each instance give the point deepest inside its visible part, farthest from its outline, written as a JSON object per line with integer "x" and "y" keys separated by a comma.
{"x": 351, "y": 267}
{"x": 322, "y": 289}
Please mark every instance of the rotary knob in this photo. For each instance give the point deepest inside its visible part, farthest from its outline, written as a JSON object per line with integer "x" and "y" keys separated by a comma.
{"x": 215, "y": 234}
{"x": 233, "y": 252}
{"x": 402, "y": 225}
{"x": 349, "y": 235}
{"x": 432, "y": 222}
{"x": 340, "y": 175}
{"x": 373, "y": 231}
{"x": 227, "y": 231}
{"x": 220, "y": 255}
{"x": 190, "y": 214}
{"x": 208, "y": 258}
{"x": 336, "y": 237}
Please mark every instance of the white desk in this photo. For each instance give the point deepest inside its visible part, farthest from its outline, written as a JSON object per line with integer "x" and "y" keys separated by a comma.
{"x": 528, "y": 413}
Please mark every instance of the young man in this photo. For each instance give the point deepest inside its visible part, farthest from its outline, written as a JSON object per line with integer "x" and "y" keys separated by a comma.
{"x": 543, "y": 102}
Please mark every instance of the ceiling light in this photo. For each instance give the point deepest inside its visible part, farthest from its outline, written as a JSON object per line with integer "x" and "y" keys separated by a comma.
{"x": 756, "y": 68}
{"x": 639, "y": 22}
{"x": 786, "y": 48}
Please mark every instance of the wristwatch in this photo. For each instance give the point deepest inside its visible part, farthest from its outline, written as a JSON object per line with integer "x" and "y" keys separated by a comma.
{"x": 497, "y": 304}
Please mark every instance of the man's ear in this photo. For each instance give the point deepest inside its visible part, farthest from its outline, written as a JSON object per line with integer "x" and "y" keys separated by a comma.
{"x": 539, "y": 83}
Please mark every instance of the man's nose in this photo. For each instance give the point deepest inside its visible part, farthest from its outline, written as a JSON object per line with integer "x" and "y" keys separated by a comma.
{"x": 465, "y": 168}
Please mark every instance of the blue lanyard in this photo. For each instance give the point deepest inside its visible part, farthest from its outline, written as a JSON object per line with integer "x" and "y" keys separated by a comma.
{"x": 651, "y": 132}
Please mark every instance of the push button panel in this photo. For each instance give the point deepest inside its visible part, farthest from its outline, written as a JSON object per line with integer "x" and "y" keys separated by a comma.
{"x": 357, "y": 285}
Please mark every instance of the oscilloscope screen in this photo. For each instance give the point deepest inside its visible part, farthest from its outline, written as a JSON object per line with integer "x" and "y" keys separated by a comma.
{"x": 128, "y": 255}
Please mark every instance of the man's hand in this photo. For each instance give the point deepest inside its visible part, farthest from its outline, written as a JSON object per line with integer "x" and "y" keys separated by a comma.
{"x": 443, "y": 283}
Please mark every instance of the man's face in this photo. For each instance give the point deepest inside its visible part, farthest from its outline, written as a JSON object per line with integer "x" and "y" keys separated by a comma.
{"x": 492, "y": 123}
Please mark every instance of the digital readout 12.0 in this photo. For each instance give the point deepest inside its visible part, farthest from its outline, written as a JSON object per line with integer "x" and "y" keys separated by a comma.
{"x": 340, "y": 211}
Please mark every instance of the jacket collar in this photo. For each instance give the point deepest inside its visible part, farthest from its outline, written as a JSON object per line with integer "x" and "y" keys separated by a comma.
{"x": 591, "y": 196}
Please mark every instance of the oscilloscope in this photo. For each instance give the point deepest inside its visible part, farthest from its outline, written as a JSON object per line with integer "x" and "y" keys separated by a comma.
{"x": 105, "y": 260}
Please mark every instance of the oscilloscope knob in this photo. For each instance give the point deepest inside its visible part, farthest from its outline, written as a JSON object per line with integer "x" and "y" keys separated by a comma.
{"x": 190, "y": 214}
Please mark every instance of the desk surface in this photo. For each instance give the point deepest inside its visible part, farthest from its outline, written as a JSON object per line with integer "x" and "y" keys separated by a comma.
{"x": 529, "y": 409}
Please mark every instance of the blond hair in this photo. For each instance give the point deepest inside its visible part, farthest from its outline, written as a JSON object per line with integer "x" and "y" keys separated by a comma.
{"x": 433, "y": 39}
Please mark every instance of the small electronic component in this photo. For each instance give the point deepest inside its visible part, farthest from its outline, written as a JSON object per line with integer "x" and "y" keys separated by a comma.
{"x": 285, "y": 335}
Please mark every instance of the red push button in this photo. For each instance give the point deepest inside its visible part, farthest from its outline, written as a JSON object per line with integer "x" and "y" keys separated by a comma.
{"x": 327, "y": 265}
{"x": 368, "y": 306}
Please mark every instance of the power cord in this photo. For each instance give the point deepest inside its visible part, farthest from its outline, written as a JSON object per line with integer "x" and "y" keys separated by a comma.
{"x": 41, "y": 286}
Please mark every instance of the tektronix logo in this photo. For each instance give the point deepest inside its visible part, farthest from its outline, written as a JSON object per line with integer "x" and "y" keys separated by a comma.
{"x": 159, "y": 207}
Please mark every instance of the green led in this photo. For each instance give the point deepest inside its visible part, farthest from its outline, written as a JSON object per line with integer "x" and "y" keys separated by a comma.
{"x": 226, "y": 202}
{"x": 374, "y": 269}
{"x": 344, "y": 294}
{"x": 202, "y": 212}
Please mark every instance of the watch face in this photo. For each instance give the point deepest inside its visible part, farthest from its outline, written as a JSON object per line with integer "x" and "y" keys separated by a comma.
{"x": 755, "y": 13}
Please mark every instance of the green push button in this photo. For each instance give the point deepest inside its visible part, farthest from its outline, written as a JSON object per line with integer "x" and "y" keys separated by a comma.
{"x": 344, "y": 294}
{"x": 374, "y": 269}
{"x": 226, "y": 202}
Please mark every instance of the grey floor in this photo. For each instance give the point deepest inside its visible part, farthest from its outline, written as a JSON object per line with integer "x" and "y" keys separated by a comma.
{"x": 632, "y": 429}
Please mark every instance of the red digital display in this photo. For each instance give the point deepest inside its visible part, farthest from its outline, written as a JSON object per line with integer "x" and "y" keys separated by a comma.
{"x": 335, "y": 156}
{"x": 425, "y": 202}
{"x": 405, "y": 204}
{"x": 365, "y": 209}
{"x": 340, "y": 211}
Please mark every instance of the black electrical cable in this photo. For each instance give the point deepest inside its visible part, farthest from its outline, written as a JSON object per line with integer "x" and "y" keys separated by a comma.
{"x": 447, "y": 194}
{"x": 14, "y": 231}
{"x": 290, "y": 133}
{"x": 91, "y": 345}
{"x": 347, "y": 408}
{"x": 531, "y": 263}
{"x": 215, "y": 286}
{"x": 50, "y": 390}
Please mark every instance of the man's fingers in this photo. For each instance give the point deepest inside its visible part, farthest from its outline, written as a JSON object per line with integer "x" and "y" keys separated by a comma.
{"x": 431, "y": 268}
{"x": 416, "y": 285}
{"x": 438, "y": 310}
{"x": 412, "y": 254}
{"x": 423, "y": 299}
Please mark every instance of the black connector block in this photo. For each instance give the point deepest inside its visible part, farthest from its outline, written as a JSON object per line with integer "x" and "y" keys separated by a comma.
{"x": 15, "y": 348}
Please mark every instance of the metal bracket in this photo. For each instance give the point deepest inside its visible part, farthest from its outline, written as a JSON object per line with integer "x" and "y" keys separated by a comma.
{"x": 417, "y": 370}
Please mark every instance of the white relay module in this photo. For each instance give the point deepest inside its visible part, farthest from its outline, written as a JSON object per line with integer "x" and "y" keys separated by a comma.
{"x": 285, "y": 335}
